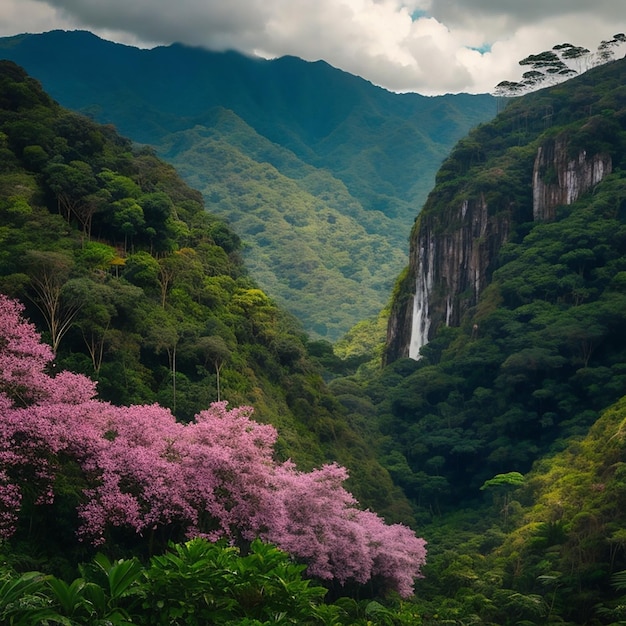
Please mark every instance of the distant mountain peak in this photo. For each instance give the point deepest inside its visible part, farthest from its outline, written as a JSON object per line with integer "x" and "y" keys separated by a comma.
{"x": 311, "y": 137}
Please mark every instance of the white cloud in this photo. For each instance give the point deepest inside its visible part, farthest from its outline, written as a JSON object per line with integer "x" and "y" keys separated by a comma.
{"x": 429, "y": 46}
{"x": 29, "y": 16}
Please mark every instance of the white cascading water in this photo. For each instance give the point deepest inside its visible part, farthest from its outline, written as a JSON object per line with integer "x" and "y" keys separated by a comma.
{"x": 420, "y": 322}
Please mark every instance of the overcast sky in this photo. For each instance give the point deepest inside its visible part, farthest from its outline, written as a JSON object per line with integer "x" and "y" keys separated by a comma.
{"x": 426, "y": 46}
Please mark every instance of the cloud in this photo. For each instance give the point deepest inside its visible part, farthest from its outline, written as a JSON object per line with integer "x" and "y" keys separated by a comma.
{"x": 21, "y": 16}
{"x": 505, "y": 15}
{"x": 428, "y": 46}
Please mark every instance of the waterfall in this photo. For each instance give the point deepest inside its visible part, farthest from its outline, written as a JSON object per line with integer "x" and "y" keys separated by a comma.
{"x": 449, "y": 267}
{"x": 420, "y": 321}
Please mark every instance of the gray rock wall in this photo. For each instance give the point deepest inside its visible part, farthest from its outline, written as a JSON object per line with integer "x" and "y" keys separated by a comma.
{"x": 560, "y": 179}
{"x": 452, "y": 251}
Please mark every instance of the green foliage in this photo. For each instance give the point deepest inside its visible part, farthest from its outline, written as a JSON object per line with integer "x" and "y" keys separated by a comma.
{"x": 193, "y": 584}
{"x": 22, "y": 601}
{"x": 161, "y": 310}
{"x": 307, "y": 241}
{"x": 540, "y": 354}
{"x": 199, "y": 582}
{"x": 504, "y": 481}
{"x": 514, "y": 402}
{"x": 321, "y": 191}
{"x": 103, "y": 595}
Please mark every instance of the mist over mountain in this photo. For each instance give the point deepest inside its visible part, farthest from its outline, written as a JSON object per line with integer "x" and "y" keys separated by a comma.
{"x": 320, "y": 172}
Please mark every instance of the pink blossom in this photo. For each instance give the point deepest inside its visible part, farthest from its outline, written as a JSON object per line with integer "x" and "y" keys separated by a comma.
{"x": 215, "y": 476}
{"x": 316, "y": 519}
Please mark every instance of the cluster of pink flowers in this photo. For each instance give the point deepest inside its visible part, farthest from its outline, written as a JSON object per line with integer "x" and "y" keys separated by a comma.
{"x": 215, "y": 476}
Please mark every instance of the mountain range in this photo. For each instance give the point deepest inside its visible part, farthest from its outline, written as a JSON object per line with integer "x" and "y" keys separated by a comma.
{"x": 495, "y": 427}
{"x": 319, "y": 172}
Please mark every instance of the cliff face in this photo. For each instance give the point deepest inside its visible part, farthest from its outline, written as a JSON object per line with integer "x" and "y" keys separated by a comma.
{"x": 448, "y": 269}
{"x": 453, "y": 249}
{"x": 560, "y": 179}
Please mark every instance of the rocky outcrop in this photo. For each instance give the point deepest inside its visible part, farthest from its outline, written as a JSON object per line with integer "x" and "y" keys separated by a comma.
{"x": 560, "y": 179}
{"x": 453, "y": 250}
{"x": 449, "y": 267}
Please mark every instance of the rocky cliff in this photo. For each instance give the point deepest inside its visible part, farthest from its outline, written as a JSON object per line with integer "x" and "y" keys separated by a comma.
{"x": 560, "y": 179}
{"x": 455, "y": 243}
{"x": 448, "y": 269}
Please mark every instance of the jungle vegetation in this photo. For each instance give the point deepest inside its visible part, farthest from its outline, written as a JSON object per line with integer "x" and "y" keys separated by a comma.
{"x": 504, "y": 442}
{"x": 134, "y": 284}
{"x": 317, "y": 171}
{"x": 507, "y": 433}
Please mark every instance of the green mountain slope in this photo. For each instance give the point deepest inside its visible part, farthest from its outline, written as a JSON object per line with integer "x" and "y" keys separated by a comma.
{"x": 137, "y": 286}
{"x": 550, "y": 550}
{"x": 310, "y": 108}
{"x": 308, "y": 216}
{"x": 507, "y": 433}
{"x": 542, "y": 350}
{"x": 345, "y": 145}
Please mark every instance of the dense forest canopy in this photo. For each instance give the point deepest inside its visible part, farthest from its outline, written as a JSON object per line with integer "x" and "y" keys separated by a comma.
{"x": 138, "y": 470}
{"x": 542, "y": 352}
{"x": 319, "y": 172}
{"x": 504, "y": 442}
{"x": 140, "y": 293}
{"x": 496, "y": 432}
{"x": 137, "y": 286}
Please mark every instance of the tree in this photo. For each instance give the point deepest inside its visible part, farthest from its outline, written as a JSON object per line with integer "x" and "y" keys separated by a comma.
{"x": 164, "y": 336}
{"x": 169, "y": 267}
{"x": 504, "y": 485}
{"x": 95, "y": 321}
{"x": 49, "y": 274}
{"x": 143, "y": 270}
{"x": 128, "y": 218}
{"x": 119, "y": 186}
{"x": 318, "y": 521}
{"x": 22, "y": 356}
{"x": 72, "y": 184}
{"x": 557, "y": 65}
{"x": 85, "y": 211}
{"x": 183, "y": 267}
{"x": 157, "y": 208}
{"x": 143, "y": 471}
{"x": 606, "y": 49}
{"x": 576, "y": 54}
{"x": 215, "y": 350}
{"x": 216, "y": 477}
{"x": 39, "y": 413}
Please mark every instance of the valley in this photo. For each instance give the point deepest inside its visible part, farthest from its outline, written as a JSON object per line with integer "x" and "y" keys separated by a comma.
{"x": 486, "y": 431}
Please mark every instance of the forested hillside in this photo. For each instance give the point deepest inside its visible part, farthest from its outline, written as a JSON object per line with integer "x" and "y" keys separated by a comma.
{"x": 503, "y": 431}
{"x": 538, "y": 349}
{"x": 137, "y": 286}
{"x": 142, "y": 299}
{"x": 504, "y": 439}
{"x": 319, "y": 172}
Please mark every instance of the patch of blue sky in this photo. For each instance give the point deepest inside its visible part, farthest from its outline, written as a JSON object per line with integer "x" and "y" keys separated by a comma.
{"x": 486, "y": 47}
{"x": 418, "y": 13}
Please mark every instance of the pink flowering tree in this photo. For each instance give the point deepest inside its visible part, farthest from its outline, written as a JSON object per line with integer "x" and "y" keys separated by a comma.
{"x": 143, "y": 471}
{"x": 37, "y": 414}
{"x": 208, "y": 477}
{"x": 316, "y": 519}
